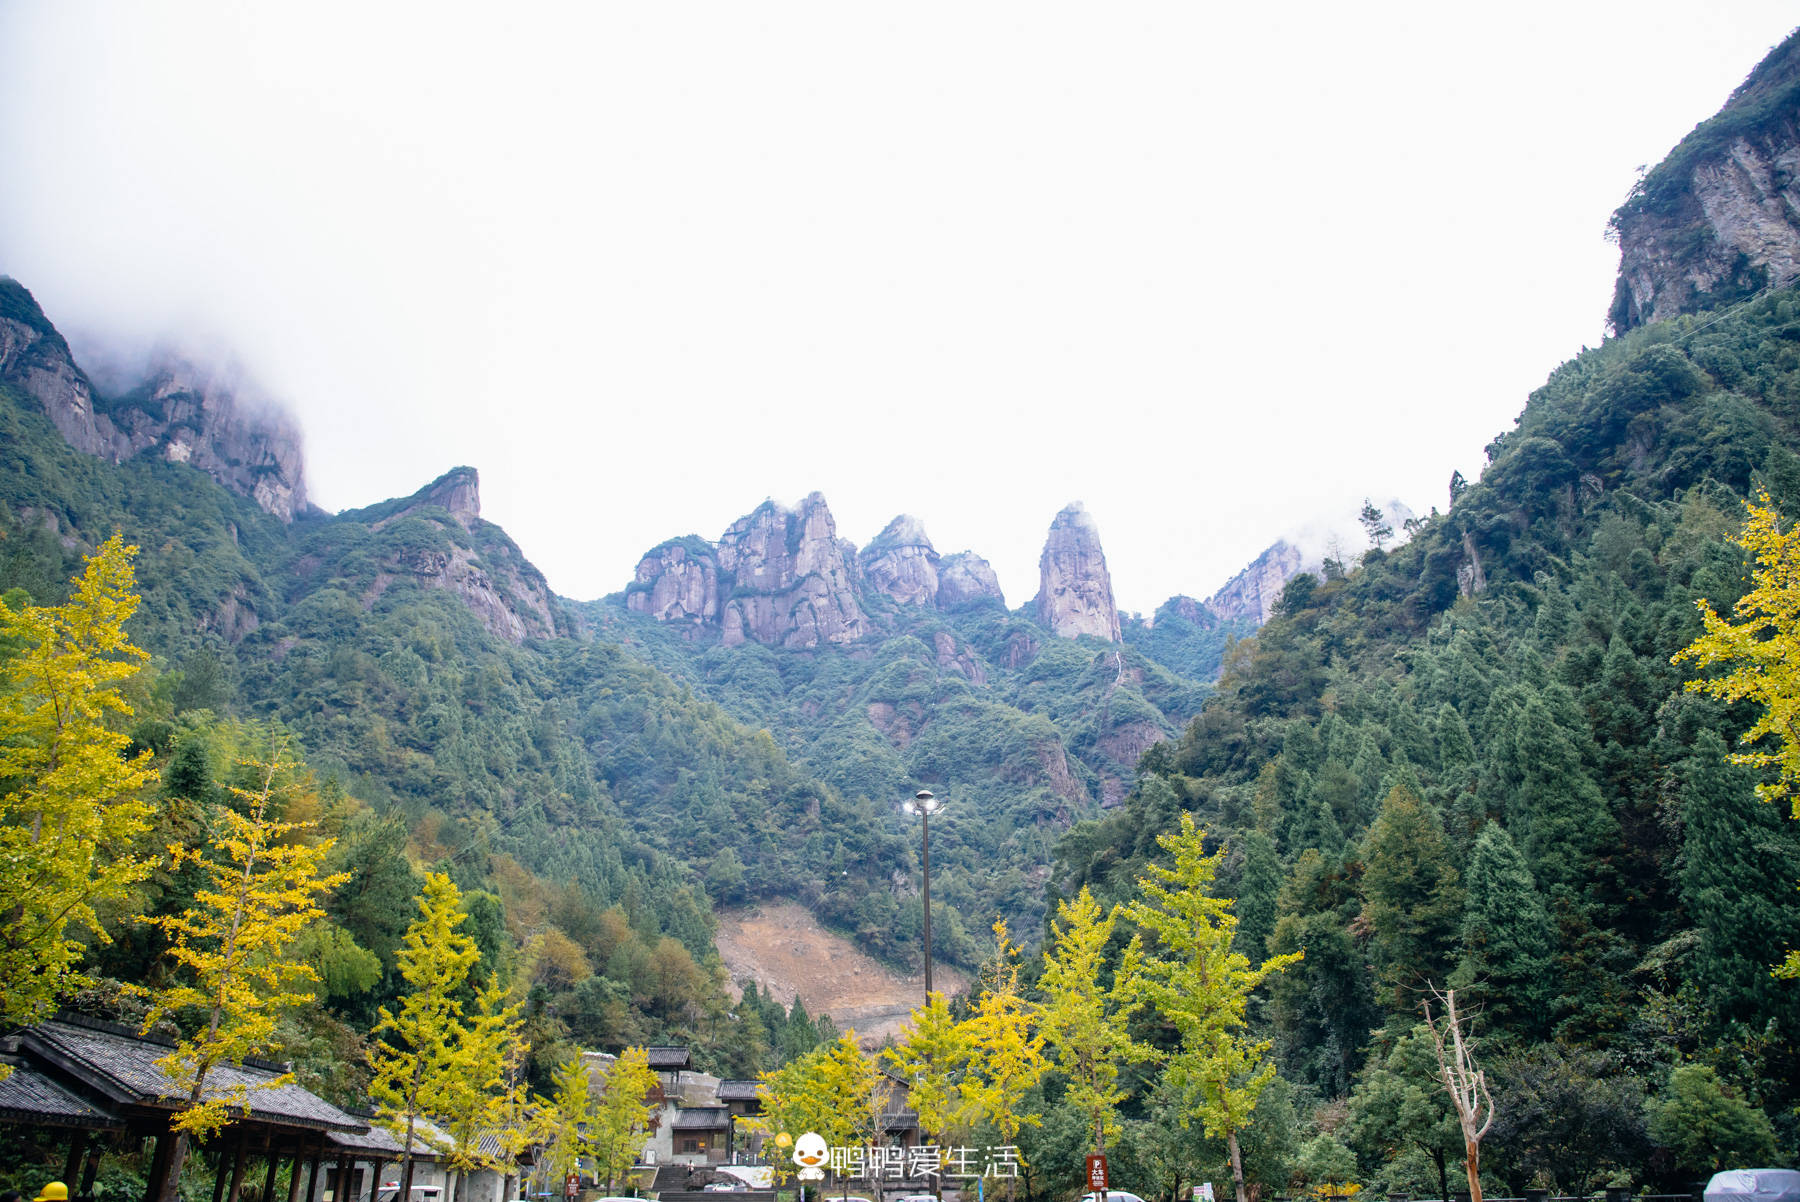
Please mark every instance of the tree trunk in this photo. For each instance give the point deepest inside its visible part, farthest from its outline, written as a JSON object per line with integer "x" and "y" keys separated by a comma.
{"x": 1237, "y": 1168}
{"x": 1472, "y": 1159}
{"x": 1443, "y": 1169}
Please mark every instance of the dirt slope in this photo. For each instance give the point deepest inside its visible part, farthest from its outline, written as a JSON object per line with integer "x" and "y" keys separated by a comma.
{"x": 787, "y": 953}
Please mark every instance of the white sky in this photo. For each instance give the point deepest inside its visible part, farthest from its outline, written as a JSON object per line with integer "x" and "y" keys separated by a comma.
{"x": 1215, "y": 272}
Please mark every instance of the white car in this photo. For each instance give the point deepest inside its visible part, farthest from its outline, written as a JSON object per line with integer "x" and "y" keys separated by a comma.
{"x": 1112, "y": 1195}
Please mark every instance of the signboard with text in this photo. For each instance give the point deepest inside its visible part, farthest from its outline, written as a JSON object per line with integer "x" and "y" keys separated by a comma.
{"x": 1096, "y": 1173}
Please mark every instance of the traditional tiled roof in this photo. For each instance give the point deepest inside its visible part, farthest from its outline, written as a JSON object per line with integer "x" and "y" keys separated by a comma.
{"x": 701, "y": 1118}
{"x": 378, "y": 1141}
{"x": 122, "y": 1067}
{"x": 737, "y": 1091}
{"x": 27, "y": 1096}
{"x": 667, "y": 1057}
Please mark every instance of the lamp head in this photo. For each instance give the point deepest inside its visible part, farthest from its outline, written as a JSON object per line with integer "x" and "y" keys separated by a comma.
{"x": 923, "y": 802}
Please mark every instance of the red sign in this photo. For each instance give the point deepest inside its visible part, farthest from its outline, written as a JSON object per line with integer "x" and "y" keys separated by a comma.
{"x": 572, "y": 1185}
{"x": 1096, "y": 1172}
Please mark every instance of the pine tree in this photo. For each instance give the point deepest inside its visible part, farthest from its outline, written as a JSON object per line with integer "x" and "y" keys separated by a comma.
{"x": 1743, "y": 911}
{"x": 1564, "y": 818}
{"x": 1506, "y": 937}
{"x": 72, "y": 803}
{"x": 235, "y": 943}
{"x": 414, "y": 1074}
{"x": 1400, "y": 1101}
{"x": 1762, "y": 650}
{"x": 1413, "y": 897}
{"x": 1193, "y": 979}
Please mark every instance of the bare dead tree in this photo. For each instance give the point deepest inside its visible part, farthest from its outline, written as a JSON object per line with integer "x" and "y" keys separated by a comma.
{"x": 1466, "y": 1084}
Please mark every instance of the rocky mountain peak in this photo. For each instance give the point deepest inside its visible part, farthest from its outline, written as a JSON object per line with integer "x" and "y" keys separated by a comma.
{"x": 902, "y": 563}
{"x": 213, "y": 419}
{"x": 1719, "y": 218}
{"x": 1252, "y": 593}
{"x": 965, "y": 578}
{"x": 1075, "y": 594}
{"x": 791, "y": 581}
{"x": 457, "y": 490}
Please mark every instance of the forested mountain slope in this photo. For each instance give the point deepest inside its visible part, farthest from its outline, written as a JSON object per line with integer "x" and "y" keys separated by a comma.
{"x": 1470, "y": 761}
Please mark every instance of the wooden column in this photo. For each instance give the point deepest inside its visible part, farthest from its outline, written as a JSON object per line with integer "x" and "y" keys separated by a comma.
{"x": 312, "y": 1174}
{"x": 237, "y": 1167}
{"x": 72, "y": 1165}
{"x": 89, "y": 1171}
{"x": 375, "y": 1178}
{"x": 159, "y": 1166}
{"x": 341, "y": 1190}
{"x": 274, "y": 1159}
{"x": 294, "y": 1174}
{"x": 226, "y": 1156}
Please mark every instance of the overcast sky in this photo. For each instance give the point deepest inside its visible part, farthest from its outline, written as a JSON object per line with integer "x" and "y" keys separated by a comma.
{"x": 1217, "y": 274}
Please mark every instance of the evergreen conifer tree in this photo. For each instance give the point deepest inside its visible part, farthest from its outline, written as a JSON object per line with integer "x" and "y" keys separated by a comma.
{"x": 1745, "y": 913}
{"x": 1413, "y": 898}
{"x": 1506, "y": 937}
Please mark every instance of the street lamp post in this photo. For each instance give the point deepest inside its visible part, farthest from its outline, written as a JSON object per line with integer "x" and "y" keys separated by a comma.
{"x": 924, "y": 804}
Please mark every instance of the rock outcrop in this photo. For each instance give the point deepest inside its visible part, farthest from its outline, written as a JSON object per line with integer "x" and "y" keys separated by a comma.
{"x": 1252, "y": 593}
{"x": 964, "y": 579}
{"x": 1075, "y": 590}
{"x": 791, "y": 582}
{"x": 210, "y": 419}
{"x": 1720, "y": 216}
{"x": 476, "y": 561}
{"x": 901, "y": 562}
{"x": 677, "y": 582}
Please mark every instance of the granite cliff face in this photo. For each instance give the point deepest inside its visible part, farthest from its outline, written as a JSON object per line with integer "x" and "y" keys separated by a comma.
{"x": 1719, "y": 218}
{"x": 902, "y": 563}
{"x": 965, "y": 579}
{"x": 785, "y": 579}
{"x": 180, "y": 412}
{"x": 677, "y": 582}
{"x": 1252, "y": 593}
{"x": 791, "y": 581}
{"x": 477, "y": 561}
{"x": 1075, "y": 590}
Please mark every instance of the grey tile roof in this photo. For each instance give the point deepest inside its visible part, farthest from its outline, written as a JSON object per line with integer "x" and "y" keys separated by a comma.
{"x": 123, "y": 1067}
{"x": 701, "y": 1118}
{"x": 378, "y": 1141}
{"x": 27, "y": 1096}
{"x": 667, "y": 1057}
{"x": 737, "y": 1091}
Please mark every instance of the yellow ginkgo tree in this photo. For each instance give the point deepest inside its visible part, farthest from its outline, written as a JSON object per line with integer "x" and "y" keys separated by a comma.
{"x": 72, "y": 802}
{"x": 1193, "y": 980}
{"x": 621, "y": 1116}
{"x": 1006, "y": 1048}
{"x": 418, "y": 1049}
{"x": 1084, "y": 1019}
{"x": 1761, "y": 651}
{"x": 232, "y": 946}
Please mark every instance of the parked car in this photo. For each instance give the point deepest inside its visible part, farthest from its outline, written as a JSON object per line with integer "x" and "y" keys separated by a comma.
{"x": 724, "y": 1187}
{"x": 914, "y": 1198}
{"x": 1113, "y": 1195}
